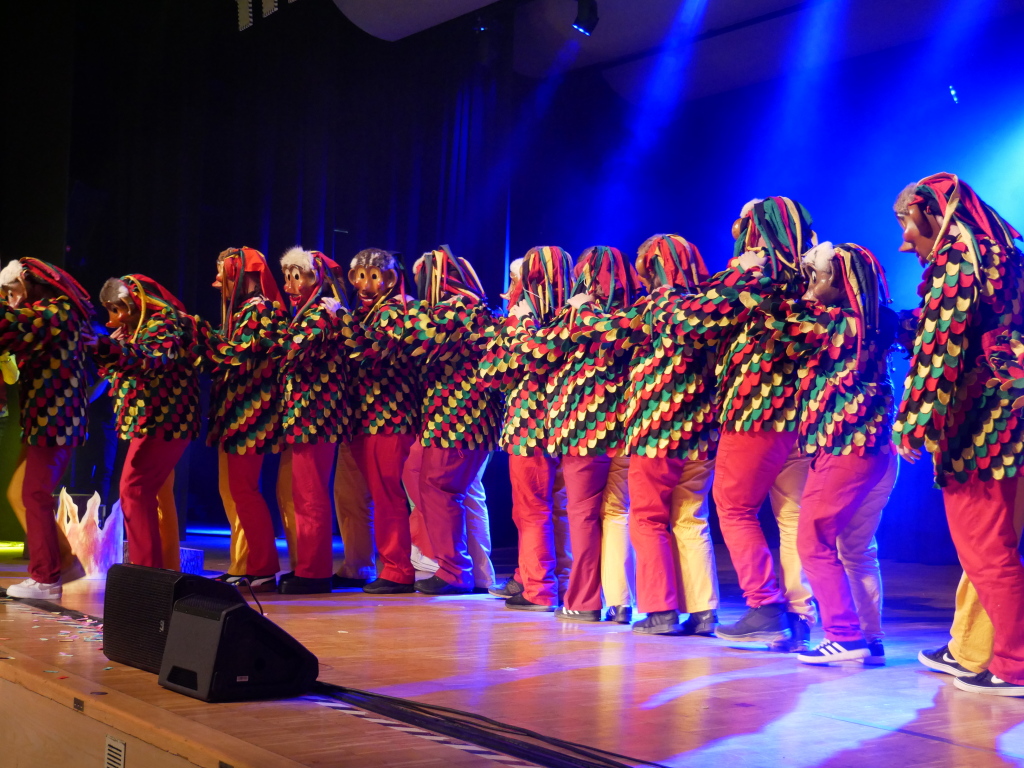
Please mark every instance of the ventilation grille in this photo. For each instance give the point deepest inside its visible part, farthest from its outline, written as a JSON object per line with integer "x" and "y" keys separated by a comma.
{"x": 115, "y": 754}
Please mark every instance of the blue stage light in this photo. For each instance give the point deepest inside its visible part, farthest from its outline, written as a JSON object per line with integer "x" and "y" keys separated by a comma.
{"x": 952, "y": 92}
{"x": 586, "y": 16}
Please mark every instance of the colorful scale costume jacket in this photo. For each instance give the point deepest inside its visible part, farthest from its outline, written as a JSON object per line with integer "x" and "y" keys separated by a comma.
{"x": 245, "y": 407}
{"x": 586, "y": 394}
{"x": 153, "y": 379}
{"x": 385, "y": 388}
{"x": 952, "y": 404}
{"x": 314, "y": 375}
{"x": 448, "y": 341}
{"x": 843, "y": 410}
{"x": 45, "y": 338}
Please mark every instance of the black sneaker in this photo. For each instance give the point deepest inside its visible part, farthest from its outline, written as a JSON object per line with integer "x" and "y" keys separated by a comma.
{"x": 291, "y": 584}
{"x": 659, "y": 623}
{"x": 941, "y": 660}
{"x": 986, "y": 682}
{"x": 799, "y": 640}
{"x": 387, "y": 587}
{"x": 620, "y": 614}
{"x": 435, "y": 585}
{"x": 700, "y": 623}
{"x": 258, "y": 583}
{"x": 831, "y": 650}
{"x": 877, "y": 657}
{"x": 564, "y": 614}
{"x": 229, "y": 578}
{"x": 763, "y": 624}
{"x": 506, "y": 589}
{"x": 520, "y": 603}
{"x": 345, "y": 582}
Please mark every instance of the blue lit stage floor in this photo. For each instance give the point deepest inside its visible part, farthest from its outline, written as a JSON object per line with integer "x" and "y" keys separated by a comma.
{"x": 677, "y": 701}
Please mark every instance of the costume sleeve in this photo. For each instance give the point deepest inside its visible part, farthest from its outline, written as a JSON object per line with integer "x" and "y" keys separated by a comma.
{"x": 159, "y": 346}
{"x": 316, "y": 328}
{"x": 537, "y": 344}
{"x": 950, "y": 294}
{"x": 725, "y": 300}
{"x": 809, "y": 326}
{"x": 256, "y": 334}
{"x": 391, "y": 331}
{"x": 619, "y": 331}
{"x": 502, "y": 367}
{"x": 27, "y": 328}
{"x": 1006, "y": 357}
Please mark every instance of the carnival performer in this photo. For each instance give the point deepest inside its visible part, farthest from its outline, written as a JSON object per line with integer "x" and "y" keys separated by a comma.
{"x": 245, "y": 398}
{"x": 954, "y": 407}
{"x": 586, "y": 406}
{"x": 315, "y": 413}
{"x": 543, "y": 281}
{"x": 386, "y": 406}
{"x": 148, "y": 360}
{"x": 758, "y": 450}
{"x": 448, "y": 327}
{"x": 41, "y": 318}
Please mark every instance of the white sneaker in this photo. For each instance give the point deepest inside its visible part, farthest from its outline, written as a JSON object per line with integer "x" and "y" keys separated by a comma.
{"x": 31, "y": 588}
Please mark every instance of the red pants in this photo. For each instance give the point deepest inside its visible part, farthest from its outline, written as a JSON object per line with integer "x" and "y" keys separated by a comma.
{"x": 836, "y": 489}
{"x": 253, "y": 513}
{"x": 311, "y": 481}
{"x": 381, "y": 459}
{"x": 585, "y": 479}
{"x": 533, "y": 480}
{"x": 411, "y": 478}
{"x": 445, "y": 476}
{"x": 44, "y": 467}
{"x": 980, "y": 516}
{"x": 147, "y": 465}
{"x": 746, "y": 466}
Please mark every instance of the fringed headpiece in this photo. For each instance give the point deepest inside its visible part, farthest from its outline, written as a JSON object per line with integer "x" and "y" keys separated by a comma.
{"x": 240, "y": 262}
{"x": 146, "y": 294}
{"x": 785, "y": 228}
{"x": 672, "y": 260}
{"x": 440, "y": 274}
{"x": 606, "y": 274}
{"x": 864, "y": 283}
{"x": 955, "y": 202}
{"x": 325, "y": 272}
{"x": 51, "y": 275}
{"x": 547, "y": 280}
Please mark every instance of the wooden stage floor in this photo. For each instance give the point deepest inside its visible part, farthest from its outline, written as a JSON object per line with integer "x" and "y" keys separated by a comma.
{"x": 675, "y": 701}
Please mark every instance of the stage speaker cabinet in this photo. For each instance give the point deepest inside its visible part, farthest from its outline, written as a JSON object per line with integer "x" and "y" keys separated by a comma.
{"x": 218, "y": 650}
{"x": 137, "y": 608}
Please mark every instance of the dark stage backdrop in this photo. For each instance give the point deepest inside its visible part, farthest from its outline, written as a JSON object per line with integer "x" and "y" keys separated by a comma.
{"x": 189, "y": 137}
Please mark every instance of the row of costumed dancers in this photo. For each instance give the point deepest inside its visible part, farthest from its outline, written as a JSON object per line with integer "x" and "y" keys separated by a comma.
{"x": 629, "y": 392}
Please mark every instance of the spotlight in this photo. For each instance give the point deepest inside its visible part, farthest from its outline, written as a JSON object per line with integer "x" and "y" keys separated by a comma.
{"x": 586, "y": 16}
{"x": 952, "y": 92}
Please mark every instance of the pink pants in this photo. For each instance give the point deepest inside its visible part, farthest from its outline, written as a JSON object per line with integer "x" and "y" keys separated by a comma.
{"x": 836, "y": 489}
{"x": 253, "y": 513}
{"x": 44, "y": 467}
{"x": 585, "y": 479}
{"x": 980, "y": 516}
{"x": 533, "y": 480}
{"x": 147, "y": 465}
{"x": 445, "y": 475}
{"x": 746, "y": 466}
{"x": 311, "y": 480}
{"x": 381, "y": 459}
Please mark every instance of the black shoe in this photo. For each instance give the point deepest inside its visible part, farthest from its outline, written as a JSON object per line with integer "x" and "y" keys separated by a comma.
{"x": 564, "y": 614}
{"x": 799, "y": 640}
{"x": 763, "y": 624}
{"x": 520, "y": 603}
{"x": 700, "y": 623}
{"x": 387, "y": 587}
{"x": 941, "y": 660}
{"x": 506, "y": 589}
{"x": 435, "y": 585}
{"x": 257, "y": 583}
{"x": 659, "y": 623}
{"x": 620, "y": 614}
{"x": 986, "y": 682}
{"x": 832, "y": 650}
{"x": 229, "y": 578}
{"x": 877, "y": 656}
{"x": 291, "y": 584}
{"x": 344, "y": 582}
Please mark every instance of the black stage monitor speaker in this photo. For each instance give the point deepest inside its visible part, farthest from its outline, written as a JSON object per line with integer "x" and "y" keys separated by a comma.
{"x": 218, "y": 650}
{"x": 137, "y": 610}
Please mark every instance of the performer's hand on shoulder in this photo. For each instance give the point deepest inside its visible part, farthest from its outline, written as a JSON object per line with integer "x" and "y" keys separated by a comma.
{"x": 579, "y": 300}
{"x": 908, "y": 454}
{"x": 331, "y": 304}
{"x": 750, "y": 260}
{"x": 520, "y": 310}
{"x": 89, "y": 337}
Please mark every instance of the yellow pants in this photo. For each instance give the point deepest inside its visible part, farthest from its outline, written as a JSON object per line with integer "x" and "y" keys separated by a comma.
{"x": 67, "y": 557}
{"x": 618, "y": 569}
{"x": 785, "y": 495}
{"x": 694, "y": 553}
{"x": 239, "y": 551}
{"x": 353, "y": 506}
{"x": 972, "y": 634}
